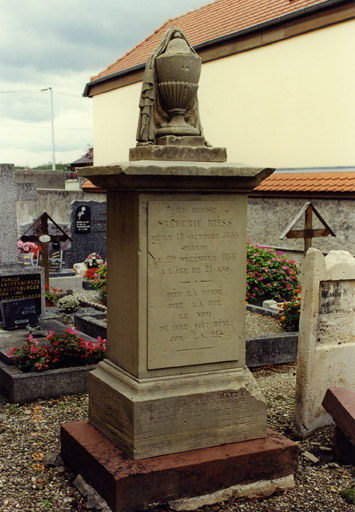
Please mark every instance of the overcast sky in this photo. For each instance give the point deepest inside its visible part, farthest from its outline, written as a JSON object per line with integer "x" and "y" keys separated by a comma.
{"x": 61, "y": 44}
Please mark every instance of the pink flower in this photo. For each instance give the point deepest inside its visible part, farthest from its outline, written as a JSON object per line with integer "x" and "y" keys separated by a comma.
{"x": 71, "y": 330}
{"x": 11, "y": 352}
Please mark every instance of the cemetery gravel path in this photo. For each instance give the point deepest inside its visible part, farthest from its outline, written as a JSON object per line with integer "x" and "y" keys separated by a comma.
{"x": 27, "y": 489}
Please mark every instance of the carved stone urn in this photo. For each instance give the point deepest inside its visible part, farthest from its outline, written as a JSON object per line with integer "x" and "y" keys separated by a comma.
{"x": 178, "y": 72}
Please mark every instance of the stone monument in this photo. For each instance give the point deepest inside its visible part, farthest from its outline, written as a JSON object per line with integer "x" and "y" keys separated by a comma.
{"x": 326, "y": 341}
{"x": 175, "y": 378}
{"x": 88, "y": 230}
{"x": 17, "y": 282}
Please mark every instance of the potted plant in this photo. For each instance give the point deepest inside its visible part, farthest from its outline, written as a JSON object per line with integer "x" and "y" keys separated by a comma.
{"x": 97, "y": 277}
{"x": 92, "y": 263}
{"x": 51, "y": 295}
{"x": 68, "y": 304}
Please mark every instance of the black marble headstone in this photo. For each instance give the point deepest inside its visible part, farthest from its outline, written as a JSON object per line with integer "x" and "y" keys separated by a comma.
{"x": 88, "y": 232}
{"x": 16, "y": 314}
{"x": 21, "y": 286}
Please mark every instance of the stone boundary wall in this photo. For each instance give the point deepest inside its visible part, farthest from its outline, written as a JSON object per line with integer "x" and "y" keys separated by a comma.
{"x": 56, "y": 202}
{"x": 269, "y": 216}
{"x": 42, "y": 179}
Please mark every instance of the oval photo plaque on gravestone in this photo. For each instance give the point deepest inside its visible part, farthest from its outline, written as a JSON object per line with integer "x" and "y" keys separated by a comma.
{"x": 83, "y": 219}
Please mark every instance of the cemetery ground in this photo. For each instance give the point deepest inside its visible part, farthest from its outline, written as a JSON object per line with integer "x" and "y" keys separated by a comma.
{"x": 30, "y": 433}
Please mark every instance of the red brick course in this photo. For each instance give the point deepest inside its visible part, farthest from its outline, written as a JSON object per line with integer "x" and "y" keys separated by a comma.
{"x": 130, "y": 485}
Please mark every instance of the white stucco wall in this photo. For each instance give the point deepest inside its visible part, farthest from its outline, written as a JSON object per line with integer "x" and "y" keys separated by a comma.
{"x": 287, "y": 104}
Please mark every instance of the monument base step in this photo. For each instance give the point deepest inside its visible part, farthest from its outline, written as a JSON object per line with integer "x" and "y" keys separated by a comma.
{"x": 196, "y": 477}
{"x": 149, "y": 417}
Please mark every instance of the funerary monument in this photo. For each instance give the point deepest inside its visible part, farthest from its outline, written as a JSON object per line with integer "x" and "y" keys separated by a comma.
{"x": 19, "y": 285}
{"x": 326, "y": 342}
{"x": 175, "y": 381}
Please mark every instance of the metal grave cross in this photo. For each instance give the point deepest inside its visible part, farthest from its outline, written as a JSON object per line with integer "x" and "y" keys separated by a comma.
{"x": 308, "y": 232}
{"x": 41, "y": 236}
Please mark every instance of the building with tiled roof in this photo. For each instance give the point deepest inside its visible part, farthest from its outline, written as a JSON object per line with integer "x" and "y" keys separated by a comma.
{"x": 276, "y": 86}
{"x": 281, "y": 196}
{"x": 85, "y": 160}
{"x": 310, "y": 183}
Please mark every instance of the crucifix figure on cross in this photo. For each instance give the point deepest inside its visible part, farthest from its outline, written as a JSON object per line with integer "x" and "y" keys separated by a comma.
{"x": 308, "y": 232}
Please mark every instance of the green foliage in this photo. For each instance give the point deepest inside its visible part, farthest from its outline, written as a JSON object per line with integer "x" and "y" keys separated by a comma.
{"x": 269, "y": 274}
{"x": 48, "y": 167}
{"x": 349, "y": 495}
{"x": 289, "y": 314}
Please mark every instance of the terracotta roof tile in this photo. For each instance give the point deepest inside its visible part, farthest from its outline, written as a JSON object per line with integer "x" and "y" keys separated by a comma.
{"x": 309, "y": 182}
{"x": 295, "y": 182}
{"x": 88, "y": 185}
{"x": 209, "y": 22}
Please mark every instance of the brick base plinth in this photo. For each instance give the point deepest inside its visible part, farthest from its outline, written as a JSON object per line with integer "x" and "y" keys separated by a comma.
{"x": 129, "y": 485}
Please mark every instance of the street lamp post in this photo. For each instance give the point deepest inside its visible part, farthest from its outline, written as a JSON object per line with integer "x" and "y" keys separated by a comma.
{"x": 52, "y": 113}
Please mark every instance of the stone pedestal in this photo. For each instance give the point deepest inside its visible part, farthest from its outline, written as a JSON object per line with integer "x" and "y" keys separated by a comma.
{"x": 186, "y": 481}
{"x": 175, "y": 378}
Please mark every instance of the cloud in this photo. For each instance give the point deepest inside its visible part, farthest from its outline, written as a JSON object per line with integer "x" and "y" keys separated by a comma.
{"x": 46, "y": 43}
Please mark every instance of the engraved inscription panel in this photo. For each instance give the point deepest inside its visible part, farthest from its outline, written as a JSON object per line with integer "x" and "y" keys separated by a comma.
{"x": 23, "y": 286}
{"x": 336, "y": 315}
{"x": 195, "y": 265}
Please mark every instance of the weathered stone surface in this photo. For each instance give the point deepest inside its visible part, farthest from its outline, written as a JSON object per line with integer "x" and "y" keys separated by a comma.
{"x": 52, "y": 460}
{"x": 178, "y": 153}
{"x": 170, "y": 176}
{"x": 255, "y": 489}
{"x": 94, "y": 500}
{"x": 340, "y": 403}
{"x": 265, "y": 227}
{"x": 19, "y": 387}
{"x": 194, "y": 271}
{"x": 147, "y": 243}
{"x": 91, "y": 324}
{"x": 274, "y": 349}
{"x": 176, "y": 309}
{"x": 175, "y": 413}
{"x": 8, "y": 197}
{"x": 129, "y": 485}
{"x": 326, "y": 343}
{"x": 174, "y": 140}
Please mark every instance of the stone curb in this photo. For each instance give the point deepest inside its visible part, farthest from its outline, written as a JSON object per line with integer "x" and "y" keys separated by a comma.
{"x": 19, "y": 387}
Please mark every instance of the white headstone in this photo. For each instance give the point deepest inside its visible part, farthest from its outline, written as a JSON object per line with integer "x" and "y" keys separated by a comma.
{"x": 326, "y": 344}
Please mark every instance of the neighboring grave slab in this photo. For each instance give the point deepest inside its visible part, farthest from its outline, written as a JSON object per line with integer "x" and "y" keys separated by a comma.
{"x": 326, "y": 343}
{"x": 88, "y": 230}
{"x": 17, "y": 283}
{"x": 8, "y": 197}
{"x": 16, "y": 314}
{"x": 340, "y": 403}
